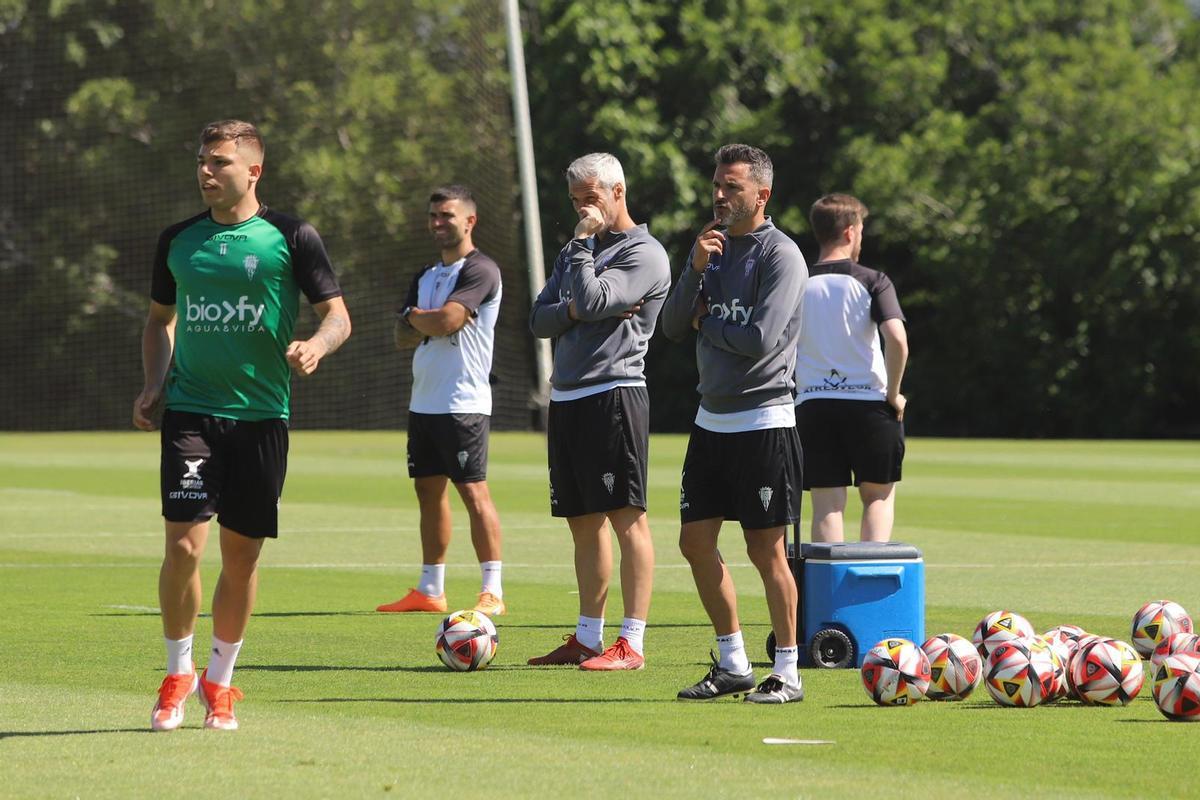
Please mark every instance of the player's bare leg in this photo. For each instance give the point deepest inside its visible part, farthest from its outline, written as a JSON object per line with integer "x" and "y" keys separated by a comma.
{"x": 233, "y": 602}
{"x": 767, "y": 548}
{"x": 434, "y": 503}
{"x": 698, "y": 544}
{"x": 637, "y": 582}
{"x": 593, "y": 562}
{"x": 485, "y": 536}
{"x": 179, "y": 599}
{"x": 828, "y": 508}
{"x": 179, "y": 577}
{"x": 730, "y": 674}
{"x": 593, "y": 571}
{"x": 879, "y": 511}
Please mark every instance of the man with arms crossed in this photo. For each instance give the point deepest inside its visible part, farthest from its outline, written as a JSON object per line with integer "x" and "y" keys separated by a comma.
{"x": 235, "y": 274}
{"x": 741, "y": 292}
{"x": 849, "y": 409}
{"x": 600, "y": 306}
{"x": 452, "y": 308}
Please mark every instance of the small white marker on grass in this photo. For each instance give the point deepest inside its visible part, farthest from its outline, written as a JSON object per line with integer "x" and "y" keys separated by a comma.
{"x": 772, "y": 740}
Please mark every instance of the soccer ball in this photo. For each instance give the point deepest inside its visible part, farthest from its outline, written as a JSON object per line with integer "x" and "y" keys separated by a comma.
{"x": 1107, "y": 672}
{"x": 466, "y": 641}
{"x": 1068, "y": 635}
{"x": 955, "y": 667}
{"x": 1175, "y": 643}
{"x": 895, "y": 672}
{"x": 1015, "y": 674}
{"x": 1080, "y": 643}
{"x": 1177, "y": 687}
{"x": 1059, "y": 654}
{"x": 1156, "y": 621}
{"x": 999, "y": 627}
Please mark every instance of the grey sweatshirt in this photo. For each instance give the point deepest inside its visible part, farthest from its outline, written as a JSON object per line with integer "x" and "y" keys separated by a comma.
{"x": 605, "y": 278}
{"x": 746, "y": 347}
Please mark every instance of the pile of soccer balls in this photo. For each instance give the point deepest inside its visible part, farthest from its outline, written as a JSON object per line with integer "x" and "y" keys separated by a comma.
{"x": 1020, "y": 668}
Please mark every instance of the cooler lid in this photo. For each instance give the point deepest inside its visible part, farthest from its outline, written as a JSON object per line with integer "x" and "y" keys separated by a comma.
{"x": 858, "y": 551}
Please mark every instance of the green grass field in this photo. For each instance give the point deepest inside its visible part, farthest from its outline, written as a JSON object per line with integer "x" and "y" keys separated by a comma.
{"x": 341, "y": 701}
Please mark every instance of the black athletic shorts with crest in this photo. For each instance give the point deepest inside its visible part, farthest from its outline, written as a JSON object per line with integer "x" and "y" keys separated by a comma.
{"x": 847, "y": 442}
{"x": 230, "y": 468}
{"x": 598, "y": 448}
{"x": 454, "y": 445}
{"x": 752, "y": 477}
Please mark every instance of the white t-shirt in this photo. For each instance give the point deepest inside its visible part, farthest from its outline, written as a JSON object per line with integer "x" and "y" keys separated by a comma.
{"x": 451, "y": 374}
{"x": 839, "y": 354}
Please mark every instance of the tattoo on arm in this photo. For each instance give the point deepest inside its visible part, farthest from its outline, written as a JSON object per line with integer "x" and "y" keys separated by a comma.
{"x": 333, "y": 331}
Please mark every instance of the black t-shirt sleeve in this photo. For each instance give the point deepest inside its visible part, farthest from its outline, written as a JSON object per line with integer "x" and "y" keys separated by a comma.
{"x": 885, "y": 304}
{"x": 414, "y": 291}
{"x": 478, "y": 281}
{"x": 311, "y": 266}
{"x": 162, "y": 282}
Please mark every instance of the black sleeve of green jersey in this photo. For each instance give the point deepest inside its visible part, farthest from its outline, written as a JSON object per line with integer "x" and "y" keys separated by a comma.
{"x": 477, "y": 282}
{"x": 310, "y": 263}
{"x": 162, "y": 280}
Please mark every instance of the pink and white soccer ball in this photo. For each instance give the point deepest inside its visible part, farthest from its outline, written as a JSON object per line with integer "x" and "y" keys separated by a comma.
{"x": 1017, "y": 675}
{"x": 1082, "y": 642}
{"x": 1155, "y": 621}
{"x": 1059, "y": 654}
{"x": 955, "y": 668}
{"x": 1177, "y": 687}
{"x": 1107, "y": 672}
{"x": 1175, "y": 643}
{"x": 997, "y": 628}
{"x": 466, "y": 641}
{"x": 895, "y": 672}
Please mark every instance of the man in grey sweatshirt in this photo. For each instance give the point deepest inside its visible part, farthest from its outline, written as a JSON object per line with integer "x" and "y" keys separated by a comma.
{"x": 600, "y": 306}
{"x": 741, "y": 290}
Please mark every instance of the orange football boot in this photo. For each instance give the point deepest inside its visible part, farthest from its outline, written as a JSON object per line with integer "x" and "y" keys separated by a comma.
{"x": 174, "y": 691}
{"x": 569, "y": 652}
{"x": 619, "y": 656}
{"x": 416, "y": 601}
{"x": 490, "y": 604}
{"x": 218, "y": 702}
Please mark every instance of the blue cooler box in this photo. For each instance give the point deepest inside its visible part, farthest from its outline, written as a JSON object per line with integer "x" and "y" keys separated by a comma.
{"x": 856, "y": 594}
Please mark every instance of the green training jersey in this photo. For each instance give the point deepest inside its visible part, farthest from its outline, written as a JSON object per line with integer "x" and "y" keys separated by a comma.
{"x": 236, "y": 290}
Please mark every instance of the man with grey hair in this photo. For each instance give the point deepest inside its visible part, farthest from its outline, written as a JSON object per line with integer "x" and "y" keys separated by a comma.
{"x": 600, "y": 306}
{"x": 741, "y": 291}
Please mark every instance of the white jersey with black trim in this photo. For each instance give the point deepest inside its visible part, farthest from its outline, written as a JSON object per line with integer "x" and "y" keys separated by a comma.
{"x": 839, "y": 354}
{"x": 451, "y": 374}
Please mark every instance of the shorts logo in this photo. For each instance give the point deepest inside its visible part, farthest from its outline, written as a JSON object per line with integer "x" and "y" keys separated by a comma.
{"x": 553, "y": 499}
{"x": 251, "y": 265}
{"x": 764, "y": 494}
{"x": 462, "y": 459}
{"x": 609, "y": 480}
{"x": 191, "y": 484}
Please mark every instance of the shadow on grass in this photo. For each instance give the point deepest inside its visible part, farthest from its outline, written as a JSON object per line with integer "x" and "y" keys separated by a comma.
{"x": 345, "y": 668}
{"x": 483, "y": 700}
{"x": 262, "y": 615}
{"x": 22, "y": 734}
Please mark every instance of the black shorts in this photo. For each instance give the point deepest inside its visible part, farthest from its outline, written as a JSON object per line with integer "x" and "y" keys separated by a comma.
{"x": 454, "y": 445}
{"x": 752, "y": 477}
{"x": 232, "y": 468}
{"x": 598, "y": 449}
{"x": 847, "y": 442}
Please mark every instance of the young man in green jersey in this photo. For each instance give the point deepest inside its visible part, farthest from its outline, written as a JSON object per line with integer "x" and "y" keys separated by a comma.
{"x": 217, "y": 347}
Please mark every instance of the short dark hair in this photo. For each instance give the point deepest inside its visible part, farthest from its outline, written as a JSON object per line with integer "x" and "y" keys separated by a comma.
{"x": 453, "y": 191}
{"x": 762, "y": 171}
{"x": 833, "y": 213}
{"x": 233, "y": 130}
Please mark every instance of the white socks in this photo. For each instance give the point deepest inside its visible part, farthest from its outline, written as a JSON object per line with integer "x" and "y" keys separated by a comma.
{"x": 785, "y": 664}
{"x": 179, "y": 656}
{"x": 633, "y": 631}
{"x": 490, "y": 572}
{"x": 590, "y": 632}
{"x": 733, "y": 653}
{"x": 224, "y": 656}
{"x": 433, "y": 580}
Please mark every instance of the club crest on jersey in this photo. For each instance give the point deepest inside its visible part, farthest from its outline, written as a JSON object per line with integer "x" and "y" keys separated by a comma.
{"x": 764, "y": 494}
{"x": 609, "y": 481}
{"x": 251, "y": 265}
{"x": 462, "y": 459}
